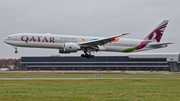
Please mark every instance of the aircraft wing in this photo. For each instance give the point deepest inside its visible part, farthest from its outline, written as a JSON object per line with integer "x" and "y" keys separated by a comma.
{"x": 159, "y": 44}
{"x": 100, "y": 41}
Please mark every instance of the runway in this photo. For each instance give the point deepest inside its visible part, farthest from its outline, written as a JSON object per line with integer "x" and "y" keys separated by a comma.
{"x": 75, "y": 78}
{"x": 83, "y": 72}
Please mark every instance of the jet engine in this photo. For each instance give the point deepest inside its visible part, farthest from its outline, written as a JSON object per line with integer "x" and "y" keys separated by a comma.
{"x": 69, "y": 47}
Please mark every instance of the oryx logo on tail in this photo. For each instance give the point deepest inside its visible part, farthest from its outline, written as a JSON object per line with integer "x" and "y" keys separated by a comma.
{"x": 157, "y": 33}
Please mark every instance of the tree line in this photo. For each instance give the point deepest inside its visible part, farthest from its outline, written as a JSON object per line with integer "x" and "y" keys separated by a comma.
{"x": 5, "y": 62}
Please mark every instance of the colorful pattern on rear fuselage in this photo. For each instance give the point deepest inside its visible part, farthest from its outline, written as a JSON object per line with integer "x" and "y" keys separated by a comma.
{"x": 140, "y": 46}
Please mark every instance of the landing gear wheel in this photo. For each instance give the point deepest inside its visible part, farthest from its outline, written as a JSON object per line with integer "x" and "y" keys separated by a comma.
{"x": 92, "y": 56}
{"x": 89, "y": 56}
{"x": 16, "y": 51}
{"x": 82, "y": 55}
{"x": 86, "y": 55}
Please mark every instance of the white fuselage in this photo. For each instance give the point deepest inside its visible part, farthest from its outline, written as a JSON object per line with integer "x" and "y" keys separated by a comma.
{"x": 58, "y": 41}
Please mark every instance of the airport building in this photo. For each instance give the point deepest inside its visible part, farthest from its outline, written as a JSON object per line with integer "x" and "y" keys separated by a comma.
{"x": 132, "y": 62}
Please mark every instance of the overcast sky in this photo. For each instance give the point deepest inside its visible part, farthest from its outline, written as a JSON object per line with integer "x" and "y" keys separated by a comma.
{"x": 87, "y": 17}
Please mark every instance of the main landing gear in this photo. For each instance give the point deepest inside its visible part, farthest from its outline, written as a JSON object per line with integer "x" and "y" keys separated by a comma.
{"x": 87, "y": 55}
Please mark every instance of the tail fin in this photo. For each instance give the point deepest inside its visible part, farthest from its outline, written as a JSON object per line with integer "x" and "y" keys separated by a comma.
{"x": 157, "y": 33}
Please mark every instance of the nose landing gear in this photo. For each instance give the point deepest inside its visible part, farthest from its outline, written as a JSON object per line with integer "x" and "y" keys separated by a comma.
{"x": 16, "y": 50}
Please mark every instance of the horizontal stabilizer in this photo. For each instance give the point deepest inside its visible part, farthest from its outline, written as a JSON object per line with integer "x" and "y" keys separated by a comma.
{"x": 160, "y": 44}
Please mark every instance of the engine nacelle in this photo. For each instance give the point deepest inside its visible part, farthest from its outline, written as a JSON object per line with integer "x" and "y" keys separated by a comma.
{"x": 69, "y": 47}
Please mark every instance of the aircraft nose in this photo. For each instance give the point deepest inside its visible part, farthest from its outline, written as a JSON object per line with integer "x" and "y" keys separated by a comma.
{"x": 5, "y": 40}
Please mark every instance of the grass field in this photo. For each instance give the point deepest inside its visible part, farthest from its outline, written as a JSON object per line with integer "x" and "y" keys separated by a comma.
{"x": 91, "y": 90}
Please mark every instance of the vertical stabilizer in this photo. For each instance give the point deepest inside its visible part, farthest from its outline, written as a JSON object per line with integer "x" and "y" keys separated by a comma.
{"x": 157, "y": 33}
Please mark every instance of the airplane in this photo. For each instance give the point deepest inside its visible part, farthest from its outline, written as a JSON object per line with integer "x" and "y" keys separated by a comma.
{"x": 89, "y": 44}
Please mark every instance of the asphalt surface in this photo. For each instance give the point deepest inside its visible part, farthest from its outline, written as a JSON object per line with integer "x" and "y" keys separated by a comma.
{"x": 79, "y": 72}
{"x": 75, "y": 78}
{"x": 87, "y": 72}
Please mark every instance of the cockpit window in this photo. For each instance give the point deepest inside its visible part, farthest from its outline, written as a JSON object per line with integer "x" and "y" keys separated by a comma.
{"x": 9, "y": 37}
